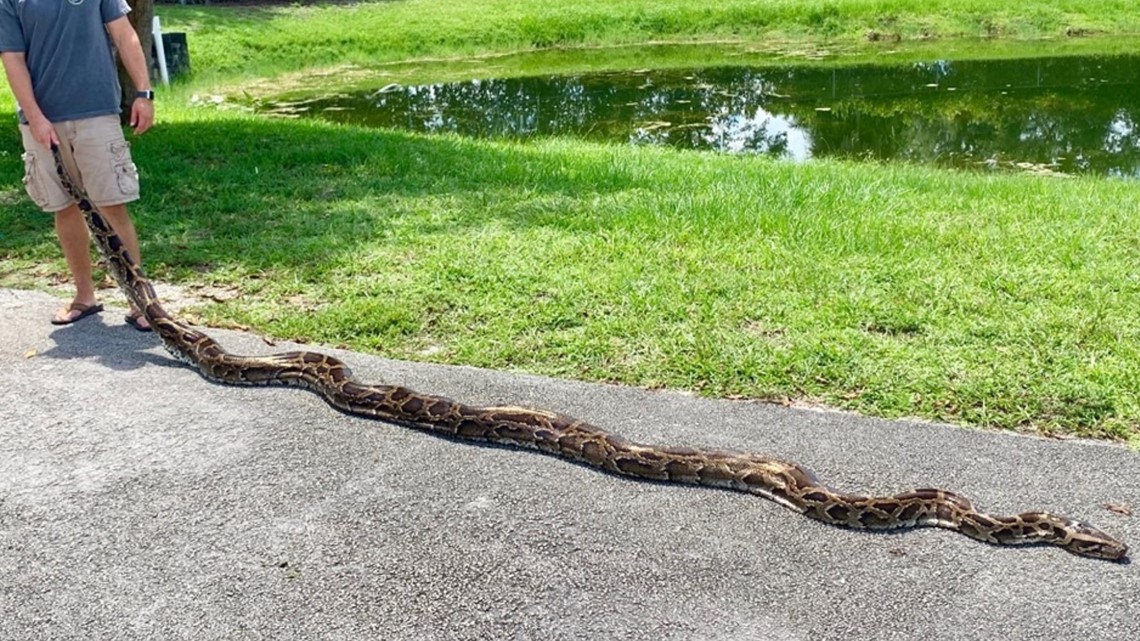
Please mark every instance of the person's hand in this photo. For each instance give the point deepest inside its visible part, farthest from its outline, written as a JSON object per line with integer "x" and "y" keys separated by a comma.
{"x": 43, "y": 131}
{"x": 142, "y": 115}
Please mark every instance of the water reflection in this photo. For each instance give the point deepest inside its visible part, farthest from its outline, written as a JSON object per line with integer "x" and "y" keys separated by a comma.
{"x": 1072, "y": 114}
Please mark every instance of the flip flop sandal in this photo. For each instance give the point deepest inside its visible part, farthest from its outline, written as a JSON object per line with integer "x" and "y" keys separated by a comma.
{"x": 133, "y": 321}
{"x": 84, "y": 312}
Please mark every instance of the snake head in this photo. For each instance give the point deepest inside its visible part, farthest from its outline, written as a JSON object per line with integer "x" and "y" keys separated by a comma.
{"x": 1087, "y": 540}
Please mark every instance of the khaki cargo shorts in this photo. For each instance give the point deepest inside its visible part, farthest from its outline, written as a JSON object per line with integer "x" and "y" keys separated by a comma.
{"x": 96, "y": 155}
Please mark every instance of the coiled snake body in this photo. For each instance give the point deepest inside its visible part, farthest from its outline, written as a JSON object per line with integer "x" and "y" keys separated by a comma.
{"x": 786, "y": 483}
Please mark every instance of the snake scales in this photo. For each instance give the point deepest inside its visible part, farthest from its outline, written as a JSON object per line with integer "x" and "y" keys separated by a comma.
{"x": 786, "y": 483}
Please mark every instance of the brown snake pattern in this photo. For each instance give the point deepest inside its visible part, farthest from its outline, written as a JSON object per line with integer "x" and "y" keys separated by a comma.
{"x": 786, "y": 483}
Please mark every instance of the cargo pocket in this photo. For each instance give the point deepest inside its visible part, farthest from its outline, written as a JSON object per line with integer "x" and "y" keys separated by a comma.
{"x": 33, "y": 181}
{"x": 120, "y": 151}
{"x": 126, "y": 173}
{"x": 128, "y": 177}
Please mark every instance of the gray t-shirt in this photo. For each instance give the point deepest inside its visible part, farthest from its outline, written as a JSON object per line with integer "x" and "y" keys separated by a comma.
{"x": 68, "y": 52}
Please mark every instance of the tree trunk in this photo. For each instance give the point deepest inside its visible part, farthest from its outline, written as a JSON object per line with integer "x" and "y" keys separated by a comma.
{"x": 141, "y": 17}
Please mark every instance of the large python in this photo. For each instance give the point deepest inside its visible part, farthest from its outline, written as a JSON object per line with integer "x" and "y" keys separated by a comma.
{"x": 786, "y": 483}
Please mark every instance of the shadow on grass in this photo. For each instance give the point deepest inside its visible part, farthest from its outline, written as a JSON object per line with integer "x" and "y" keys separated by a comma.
{"x": 251, "y": 195}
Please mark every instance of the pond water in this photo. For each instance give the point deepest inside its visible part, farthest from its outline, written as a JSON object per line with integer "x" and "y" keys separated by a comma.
{"x": 1064, "y": 114}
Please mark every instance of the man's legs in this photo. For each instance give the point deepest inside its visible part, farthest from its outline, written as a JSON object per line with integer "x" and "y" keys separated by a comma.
{"x": 95, "y": 153}
{"x": 71, "y": 228}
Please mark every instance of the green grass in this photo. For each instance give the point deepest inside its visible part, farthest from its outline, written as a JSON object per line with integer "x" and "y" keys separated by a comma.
{"x": 990, "y": 300}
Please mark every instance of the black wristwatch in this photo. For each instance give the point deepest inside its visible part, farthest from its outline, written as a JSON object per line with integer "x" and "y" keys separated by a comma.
{"x": 148, "y": 94}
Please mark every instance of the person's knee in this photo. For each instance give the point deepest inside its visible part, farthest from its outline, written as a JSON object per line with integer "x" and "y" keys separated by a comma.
{"x": 116, "y": 214}
{"x": 69, "y": 215}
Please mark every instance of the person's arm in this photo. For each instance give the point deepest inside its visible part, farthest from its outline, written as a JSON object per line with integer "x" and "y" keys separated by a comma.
{"x": 131, "y": 54}
{"x": 20, "y": 80}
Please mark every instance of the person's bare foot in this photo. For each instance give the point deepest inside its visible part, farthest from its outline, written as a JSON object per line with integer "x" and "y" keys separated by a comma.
{"x": 75, "y": 311}
{"x": 136, "y": 320}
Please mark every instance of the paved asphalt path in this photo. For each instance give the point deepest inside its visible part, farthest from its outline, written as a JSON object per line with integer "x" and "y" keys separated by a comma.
{"x": 138, "y": 501}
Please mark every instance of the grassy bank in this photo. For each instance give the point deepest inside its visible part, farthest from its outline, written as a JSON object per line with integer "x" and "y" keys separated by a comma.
{"x": 265, "y": 40}
{"x": 992, "y": 300}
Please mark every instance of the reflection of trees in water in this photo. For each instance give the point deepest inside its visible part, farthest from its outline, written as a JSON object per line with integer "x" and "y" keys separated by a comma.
{"x": 719, "y": 109}
{"x": 1122, "y": 139}
{"x": 1068, "y": 132}
{"x": 1079, "y": 114}
{"x": 759, "y": 132}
